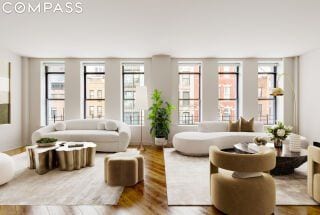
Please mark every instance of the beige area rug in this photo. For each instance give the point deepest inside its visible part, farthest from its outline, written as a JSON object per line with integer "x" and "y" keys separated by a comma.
{"x": 187, "y": 181}
{"x": 80, "y": 187}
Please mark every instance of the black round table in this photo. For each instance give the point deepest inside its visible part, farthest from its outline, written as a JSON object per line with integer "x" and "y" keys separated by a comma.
{"x": 286, "y": 161}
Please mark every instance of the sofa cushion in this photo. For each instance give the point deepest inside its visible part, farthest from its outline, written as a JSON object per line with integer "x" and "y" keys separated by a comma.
{"x": 234, "y": 126}
{"x": 101, "y": 126}
{"x": 246, "y": 126}
{"x": 60, "y": 126}
{"x": 101, "y": 136}
{"x": 111, "y": 125}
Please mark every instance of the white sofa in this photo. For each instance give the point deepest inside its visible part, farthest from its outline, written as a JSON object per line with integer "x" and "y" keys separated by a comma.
{"x": 216, "y": 133}
{"x": 89, "y": 130}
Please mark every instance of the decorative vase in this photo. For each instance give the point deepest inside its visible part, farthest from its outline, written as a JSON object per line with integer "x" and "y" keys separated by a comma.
{"x": 277, "y": 143}
{"x": 160, "y": 141}
{"x": 295, "y": 143}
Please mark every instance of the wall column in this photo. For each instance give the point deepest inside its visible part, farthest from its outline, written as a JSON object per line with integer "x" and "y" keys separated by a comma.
{"x": 210, "y": 88}
{"x": 73, "y": 92}
{"x": 113, "y": 89}
{"x": 248, "y": 89}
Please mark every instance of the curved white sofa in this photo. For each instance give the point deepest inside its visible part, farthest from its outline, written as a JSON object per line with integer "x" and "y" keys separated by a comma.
{"x": 6, "y": 168}
{"x": 216, "y": 133}
{"x": 87, "y": 130}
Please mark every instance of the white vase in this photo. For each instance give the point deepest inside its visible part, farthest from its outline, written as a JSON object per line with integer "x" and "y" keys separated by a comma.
{"x": 160, "y": 141}
{"x": 295, "y": 143}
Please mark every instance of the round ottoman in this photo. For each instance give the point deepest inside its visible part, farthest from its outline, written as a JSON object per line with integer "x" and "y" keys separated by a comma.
{"x": 124, "y": 170}
{"x": 6, "y": 168}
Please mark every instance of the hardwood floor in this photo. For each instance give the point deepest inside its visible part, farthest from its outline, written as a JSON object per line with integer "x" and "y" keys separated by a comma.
{"x": 148, "y": 197}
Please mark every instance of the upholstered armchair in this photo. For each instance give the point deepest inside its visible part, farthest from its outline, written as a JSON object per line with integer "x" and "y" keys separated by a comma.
{"x": 247, "y": 190}
{"x": 314, "y": 172}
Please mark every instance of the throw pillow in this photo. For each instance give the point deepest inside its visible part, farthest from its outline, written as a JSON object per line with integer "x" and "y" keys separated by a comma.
{"x": 111, "y": 126}
{"x": 246, "y": 174}
{"x": 246, "y": 126}
{"x": 101, "y": 126}
{"x": 60, "y": 126}
{"x": 234, "y": 126}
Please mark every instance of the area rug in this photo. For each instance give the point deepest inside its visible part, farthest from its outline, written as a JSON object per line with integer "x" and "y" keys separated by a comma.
{"x": 79, "y": 187}
{"x": 187, "y": 181}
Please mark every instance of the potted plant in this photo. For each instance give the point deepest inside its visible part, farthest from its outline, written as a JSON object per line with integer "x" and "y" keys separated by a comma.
{"x": 46, "y": 142}
{"x": 160, "y": 116}
{"x": 279, "y": 133}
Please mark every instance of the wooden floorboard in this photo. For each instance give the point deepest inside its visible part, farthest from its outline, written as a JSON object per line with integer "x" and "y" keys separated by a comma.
{"x": 148, "y": 197}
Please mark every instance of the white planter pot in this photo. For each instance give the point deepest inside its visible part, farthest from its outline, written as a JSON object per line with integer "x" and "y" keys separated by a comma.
{"x": 160, "y": 141}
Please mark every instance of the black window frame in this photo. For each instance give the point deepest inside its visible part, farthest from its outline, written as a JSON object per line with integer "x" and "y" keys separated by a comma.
{"x": 237, "y": 89}
{"x": 180, "y": 120}
{"x": 272, "y": 98}
{"x": 140, "y": 118}
{"x": 85, "y": 74}
{"x": 47, "y": 74}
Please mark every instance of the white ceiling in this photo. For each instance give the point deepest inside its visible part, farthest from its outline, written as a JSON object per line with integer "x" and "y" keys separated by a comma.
{"x": 180, "y": 28}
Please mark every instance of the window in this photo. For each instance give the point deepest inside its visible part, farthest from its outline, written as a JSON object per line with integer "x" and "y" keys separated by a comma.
{"x": 189, "y": 93}
{"x": 186, "y": 97}
{"x": 267, "y": 80}
{"x": 259, "y": 92}
{"x": 132, "y": 76}
{"x": 57, "y": 86}
{"x": 91, "y": 111}
{"x": 227, "y": 112}
{"x": 99, "y": 94}
{"x": 99, "y": 111}
{"x": 53, "y": 111}
{"x": 54, "y": 78}
{"x": 228, "y": 91}
{"x": 260, "y": 108}
{"x": 186, "y": 118}
{"x": 94, "y": 81}
{"x": 91, "y": 94}
{"x": 186, "y": 81}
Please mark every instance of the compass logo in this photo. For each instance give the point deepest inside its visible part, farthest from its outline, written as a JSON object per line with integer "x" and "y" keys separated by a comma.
{"x": 19, "y": 7}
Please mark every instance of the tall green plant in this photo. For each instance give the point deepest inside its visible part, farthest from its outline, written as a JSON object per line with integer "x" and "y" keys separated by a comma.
{"x": 160, "y": 116}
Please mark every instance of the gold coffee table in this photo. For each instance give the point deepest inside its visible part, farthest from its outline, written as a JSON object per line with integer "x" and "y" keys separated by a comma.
{"x": 72, "y": 157}
{"x": 66, "y": 157}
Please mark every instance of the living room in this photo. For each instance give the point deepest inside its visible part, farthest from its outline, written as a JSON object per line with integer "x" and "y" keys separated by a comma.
{"x": 159, "y": 107}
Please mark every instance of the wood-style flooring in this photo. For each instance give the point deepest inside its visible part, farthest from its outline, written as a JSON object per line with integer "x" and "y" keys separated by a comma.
{"x": 148, "y": 197}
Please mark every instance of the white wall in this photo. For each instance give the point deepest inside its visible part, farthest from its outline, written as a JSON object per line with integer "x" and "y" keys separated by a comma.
{"x": 11, "y": 134}
{"x": 161, "y": 72}
{"x": 309, "y": 96}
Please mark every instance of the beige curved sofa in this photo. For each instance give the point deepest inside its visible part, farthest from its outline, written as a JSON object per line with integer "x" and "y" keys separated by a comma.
{"x": 246, "y": 195}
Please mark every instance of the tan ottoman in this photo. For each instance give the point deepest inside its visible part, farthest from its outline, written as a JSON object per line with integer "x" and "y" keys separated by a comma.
{"x": 123, "y": 170}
